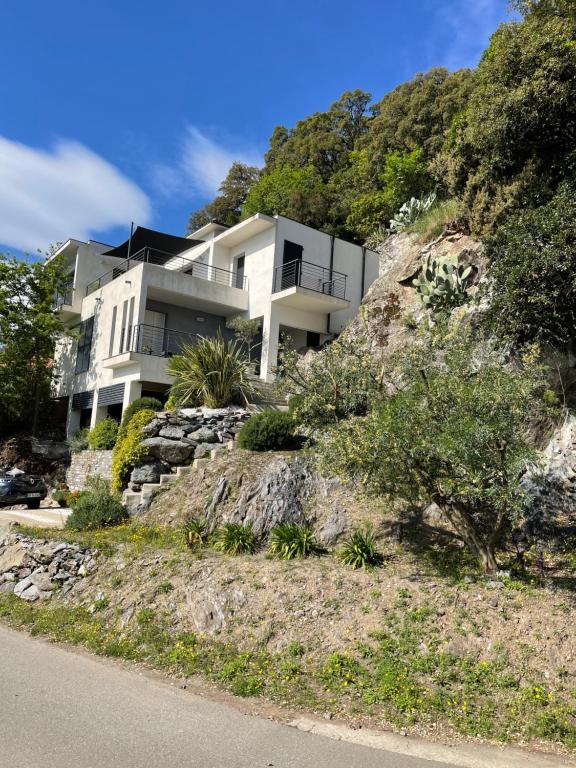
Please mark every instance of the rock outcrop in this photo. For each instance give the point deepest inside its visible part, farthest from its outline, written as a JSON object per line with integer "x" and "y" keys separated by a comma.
{"x": 32, "y": 569}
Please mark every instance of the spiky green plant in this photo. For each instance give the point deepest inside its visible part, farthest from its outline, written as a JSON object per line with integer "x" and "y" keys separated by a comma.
{"x": 292, "y": 540}
{"x": 442, "y": 283}
{"x": 235, "y": 539}
{"x": 359, "y": 550}
{"x": 410, "y": 212}
{"x": 213, "y": 372}
{"x": 195, "y": 531}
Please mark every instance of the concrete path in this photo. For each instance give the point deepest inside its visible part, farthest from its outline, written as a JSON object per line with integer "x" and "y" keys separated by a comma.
{"x": 61, "y": 709}
{"x": 45, "y": 517}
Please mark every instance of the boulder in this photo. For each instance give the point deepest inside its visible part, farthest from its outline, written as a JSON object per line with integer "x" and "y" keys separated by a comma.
{"x": 147, "y": 473}
{"x": 42, "y": 581}
{"x": 172, "y": 432}
{"x": 190, "y": 413}
{"x": 203, "y": 450}
{"x": 171, "y": 451}
{"x": 334, "y": 527}
{"x": 153, "y": 427}
{"x": 204, "y": 435}
{"x": 14, "y": 556}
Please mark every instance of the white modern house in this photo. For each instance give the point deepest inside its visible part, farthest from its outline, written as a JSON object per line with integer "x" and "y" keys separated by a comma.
{"x": 135, "y": 305}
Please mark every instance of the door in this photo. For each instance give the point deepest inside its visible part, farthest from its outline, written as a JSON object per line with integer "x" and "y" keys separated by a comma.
{"x": 152, "y": 339}
{"x": 240, "y": 271}
{"x": 291, "y": 265}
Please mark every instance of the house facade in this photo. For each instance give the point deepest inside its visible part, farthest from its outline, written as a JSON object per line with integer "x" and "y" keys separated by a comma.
{"x": 133, "y": 306}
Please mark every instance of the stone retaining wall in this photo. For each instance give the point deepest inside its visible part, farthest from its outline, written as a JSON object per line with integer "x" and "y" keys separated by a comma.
{"x": 86, "y": 463}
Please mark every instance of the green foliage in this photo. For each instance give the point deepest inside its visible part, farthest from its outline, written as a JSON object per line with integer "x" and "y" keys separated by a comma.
{"x": 195, "y": 531}
{"x": 359, "y": 550}
{"x": 428, "y": 226}
{"x": 214, "y": 371}
{"x": 246, "y": 330}
{"x": 454, "y": 434}
{"x": 227, "y": 205}
{"x": 441, "y": 285}
{"x": 291, "y": 540}
{"x": 340, "y": 381}
{"x": 268, "y": 431}
{"x": 60, "y": 497}
{"x": 533, "y": 273}
{"x": 128, "y": 451}
{"x": 102, "y": 437}
{"x": 410, "y": 212}
{"x": 29, "y": 331}
{"x": 235, "y": 539}
{"x": 299, "y": 193}
{"x": 140, "y": 404}
{"x": 79, "y": 440}
{"x": 98, "y": 508}
{"x": 514, "y": 144}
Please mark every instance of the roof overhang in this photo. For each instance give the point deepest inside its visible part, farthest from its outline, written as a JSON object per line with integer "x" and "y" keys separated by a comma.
{"x": 245, "y": 229}
{"x": 142, "y": 237}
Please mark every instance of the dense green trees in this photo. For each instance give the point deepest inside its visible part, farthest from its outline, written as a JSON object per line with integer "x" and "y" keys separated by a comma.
{"x": 227, "y": 205}
{"x": 29, "y": 328}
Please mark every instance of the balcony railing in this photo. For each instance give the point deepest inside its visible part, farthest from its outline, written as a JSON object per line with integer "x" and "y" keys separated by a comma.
{"x": 160, "y": 342}
{"x": 303, "y": 274}
{"x": 172, "y": 263}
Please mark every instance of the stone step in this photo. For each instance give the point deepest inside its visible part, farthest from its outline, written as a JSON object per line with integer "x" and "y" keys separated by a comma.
{"x": 131, "y": 498}
{"x": 199, "y": 463}
{"x": 165, "y": 479}
{"x": 149, "y": 488}
{"x": 181, "y": 471}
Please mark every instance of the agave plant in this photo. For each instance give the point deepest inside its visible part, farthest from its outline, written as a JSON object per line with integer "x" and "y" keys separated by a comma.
{"x": 410, "y": 211}
{"x": 359, "y": 550}
{"x": 235, "y": 539}
{"x": 213, "y": 372}
{"x": 291, "y": 540}
{"x": 195, "y": 531}
{"x": 442, "y": 283}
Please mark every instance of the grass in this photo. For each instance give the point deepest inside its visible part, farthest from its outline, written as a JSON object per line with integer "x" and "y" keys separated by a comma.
{"x": 403, "y": 675}
{"x": 432, "y": 223}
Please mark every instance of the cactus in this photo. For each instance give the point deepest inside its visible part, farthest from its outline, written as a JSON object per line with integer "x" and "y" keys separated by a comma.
{"x": 411, "y": 211}
{"x": 442, "y": 283}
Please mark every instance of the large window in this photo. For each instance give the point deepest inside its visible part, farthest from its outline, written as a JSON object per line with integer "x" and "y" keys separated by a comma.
{"x": 84, "y": 345}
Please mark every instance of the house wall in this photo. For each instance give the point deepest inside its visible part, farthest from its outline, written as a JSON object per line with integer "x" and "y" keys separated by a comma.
{"x": 186, "y": 320}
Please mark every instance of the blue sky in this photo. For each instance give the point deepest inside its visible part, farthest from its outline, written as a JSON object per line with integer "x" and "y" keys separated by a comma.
{"x": 119, "y": 110}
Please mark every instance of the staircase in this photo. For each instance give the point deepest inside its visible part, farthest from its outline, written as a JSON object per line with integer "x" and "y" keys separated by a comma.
{"x": 265, "y": 397}
{"x": 132, "y": 499}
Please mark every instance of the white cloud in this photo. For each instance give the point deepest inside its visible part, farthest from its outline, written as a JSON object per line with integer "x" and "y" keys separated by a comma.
{"x": 70, "y": 191}
{"x": 468, "y": 26}
{"x": 202, "y": 165}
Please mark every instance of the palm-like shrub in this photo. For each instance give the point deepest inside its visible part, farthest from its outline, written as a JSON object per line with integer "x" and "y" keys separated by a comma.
{"x": 359, "y": 550}
{"x": 291, "y": 540}
{"x": 214, "y": 371}
{"x": 235, "y": 539}
{"x": 195, "y": 531}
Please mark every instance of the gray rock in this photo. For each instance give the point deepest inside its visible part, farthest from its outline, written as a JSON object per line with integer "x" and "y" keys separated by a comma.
{"x": 154, "y": 427}
{"x": 171, "y": 451}
{"x": 190, "y": 413}
{"x": 203, "y": 450}
{"x": 172, "y": 432}
{"x": 31, "y": 594}
{"x": 22, "y": 586}
{"x": 204, "y": 435}
{"x": 334, "y": 527}
{"x": 42, "y": 581}
{"x": 147, "y": 473}
{"x": 7, "y": 588}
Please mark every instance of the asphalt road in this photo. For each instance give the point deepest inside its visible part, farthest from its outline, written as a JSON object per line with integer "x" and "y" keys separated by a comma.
{"x": 60, "y": 709}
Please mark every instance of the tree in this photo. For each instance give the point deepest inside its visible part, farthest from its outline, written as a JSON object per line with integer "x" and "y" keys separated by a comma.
{"x": 246, "y": 330}
{"x": 29, "y": 328}
{"x": 533, "y": 273}
{"x": 298, "y": 193}
{"x": 227, "y": 205}
{"x": 514, "y": 143}
{"x": 452, "y": 433}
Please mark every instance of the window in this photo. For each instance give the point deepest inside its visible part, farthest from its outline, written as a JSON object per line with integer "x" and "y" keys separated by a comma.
{"x": 312, "y": 339}
{"x": 240, "y": 271}
{"x": 292, "y": 252}
{"x": 112, "y": 332}
{"x": 84, "y": 345}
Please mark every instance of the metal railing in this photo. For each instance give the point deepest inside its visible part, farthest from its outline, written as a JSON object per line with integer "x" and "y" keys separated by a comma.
{"x": 160, "y": 342}
{"x": 304, "y": 274}
{"x": 172, "y": 263}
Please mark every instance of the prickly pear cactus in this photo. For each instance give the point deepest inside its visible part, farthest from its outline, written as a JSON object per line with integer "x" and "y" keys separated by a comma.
{"x": 442, "y": 283}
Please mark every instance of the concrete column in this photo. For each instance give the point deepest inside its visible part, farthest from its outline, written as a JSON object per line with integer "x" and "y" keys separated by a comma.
{"x": 72, "y": 419}
{"x": 98, "y": 413}
{"x": 132, "y": 391}
{"x": 270, "y": 334}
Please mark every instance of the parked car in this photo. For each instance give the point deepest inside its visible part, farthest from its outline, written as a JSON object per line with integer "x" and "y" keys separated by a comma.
{"x": 22, "y": 489}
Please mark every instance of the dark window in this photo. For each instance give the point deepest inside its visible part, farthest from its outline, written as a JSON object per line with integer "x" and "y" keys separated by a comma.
{"x": 84, "y": 345}
{"x": 292, "y": 252}
{"x": 291, "y": 265}
{"x": 240, "y": 271}
{"x": 312, "y": 339}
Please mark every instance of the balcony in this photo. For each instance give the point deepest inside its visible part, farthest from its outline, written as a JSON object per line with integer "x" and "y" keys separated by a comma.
{"x": 64, "y": 303}
{"x": 150, "y": 340}
{"x": 170, "y": 263}
{"x": 303, "y": 285}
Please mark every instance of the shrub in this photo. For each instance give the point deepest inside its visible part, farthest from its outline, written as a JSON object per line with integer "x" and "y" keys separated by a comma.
{"x": 291, "y": 540}
{"x": 195, "y": 531}
{"x": 213, "y": 372}
{"x": 128, "y": 451}
{"x": 268, "y": 431}
{"x": 79, "y": 440}
{"x": 60, "y": 497}
{"x": 533, "y": 273}
{"x": 97, "y": 508}
{"x": 103, "y": 436}
{"x": 141, "y": 404}
{"x": 235, "y": 539}
{"x": 359, "y": 550}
